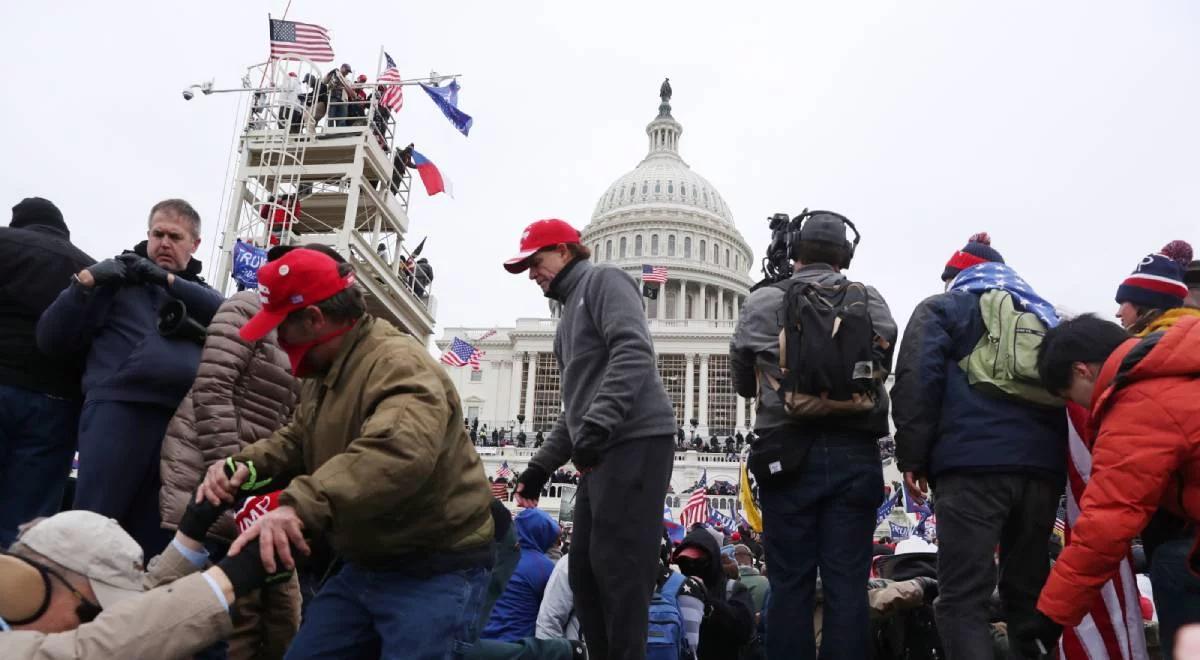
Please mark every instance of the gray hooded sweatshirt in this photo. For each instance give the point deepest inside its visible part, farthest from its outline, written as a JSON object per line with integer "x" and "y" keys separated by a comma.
{"x": 606, "y": 359}
{"x": 756, "y": 343}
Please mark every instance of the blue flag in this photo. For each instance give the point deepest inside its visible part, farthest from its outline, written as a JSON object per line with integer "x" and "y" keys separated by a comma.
{"x": 887, "y": 507}
{"x": 246, "y": 261}
{"x": 446, "y": 98}
{"x": 898, "y": 531}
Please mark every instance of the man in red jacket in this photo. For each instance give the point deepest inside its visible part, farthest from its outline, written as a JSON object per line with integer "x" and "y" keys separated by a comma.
{"x": 1144, "y": 397}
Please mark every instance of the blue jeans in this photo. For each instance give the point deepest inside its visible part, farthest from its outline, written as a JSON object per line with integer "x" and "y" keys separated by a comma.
{"x": 385, "y": 614}
{"x": 1176, "y": 591}
{"x": 37, "y": 441}
{"x": 821, "y": 517}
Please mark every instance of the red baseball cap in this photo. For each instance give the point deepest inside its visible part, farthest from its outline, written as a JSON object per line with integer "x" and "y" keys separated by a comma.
{"x": 538, "y": 235}
{"x": 296, "y": 280}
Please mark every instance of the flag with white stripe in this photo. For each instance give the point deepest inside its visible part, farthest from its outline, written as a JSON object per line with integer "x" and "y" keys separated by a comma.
{"x": 303, "y": 39}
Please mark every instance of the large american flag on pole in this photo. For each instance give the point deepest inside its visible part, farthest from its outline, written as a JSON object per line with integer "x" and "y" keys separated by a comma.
{"x": 304, "y": 39}
{"x": 1112, "y": 630}
{"x": 393, "y": 96}
{"x": 654, "y": 274}
{"x": 460, "y": 354}
{"x": 696, "y": 509}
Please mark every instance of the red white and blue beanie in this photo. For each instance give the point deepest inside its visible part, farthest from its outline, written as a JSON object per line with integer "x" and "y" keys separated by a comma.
{"x": 1157, "y": 282}
{"x": 977, "y": 251}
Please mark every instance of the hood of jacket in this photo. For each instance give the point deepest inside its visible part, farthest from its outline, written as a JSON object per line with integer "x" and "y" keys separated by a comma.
{"x": 192, "y": 272}
{"x": 1174, "y": 352}
{"x": 714, "y": 576}
{"x": 536, "y": 530}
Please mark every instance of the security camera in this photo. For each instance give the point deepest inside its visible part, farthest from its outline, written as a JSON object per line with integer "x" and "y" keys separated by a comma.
{"x": 188, "y": 95}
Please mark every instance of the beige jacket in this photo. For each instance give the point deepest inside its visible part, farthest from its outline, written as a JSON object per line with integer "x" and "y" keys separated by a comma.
{"x": 176, "y": 618}
{"x": 242, "y": 393}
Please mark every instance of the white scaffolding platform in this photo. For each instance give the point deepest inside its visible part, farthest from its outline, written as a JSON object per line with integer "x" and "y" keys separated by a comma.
{"x": 300, "y": 180}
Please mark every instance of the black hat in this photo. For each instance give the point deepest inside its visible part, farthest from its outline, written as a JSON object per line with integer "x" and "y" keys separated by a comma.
{"x": 824, "y": 227}
{"x": 37, "y": 211}
{"x": 1192, "y": 274}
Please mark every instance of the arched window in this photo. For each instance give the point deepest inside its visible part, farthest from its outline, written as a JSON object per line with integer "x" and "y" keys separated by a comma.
{"x": 608, "y": 249}
{"x": 716, "y": 253}
{"x": 658, "y": 186}
{"x": 637, "y": 245}
{"x": 703, "y": 251}
{"x": 621, "y": 252}
{"x": 596, "y": 251}
{"x": 671, "y": 245}
{"x": 670, "y": 187}
{"x": 737, "y": 261}
{"x": 645, "y": 187}
{"x": 654, "y": 245}
{"x": 632, "y": 190}
{"x": 687, "y": 247}
{"x": 727, "y": 257}
{"x": 683, "y": 190}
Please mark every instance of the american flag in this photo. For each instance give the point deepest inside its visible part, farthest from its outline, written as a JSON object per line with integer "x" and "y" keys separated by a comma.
{"x": 500, "y": 490}
{"x": 460, "y": 354}
{"x": 654, "y": 274}
{"x": 696, "y": 509}
{"x": 504, "y": 472}
{"x": 305, "y": 39}
{"x": 393, "y": 97}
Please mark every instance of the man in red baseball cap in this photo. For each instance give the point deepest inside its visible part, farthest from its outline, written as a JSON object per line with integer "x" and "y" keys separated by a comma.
{"x": 379, "y": 465}
{"x": 617, "y": 427}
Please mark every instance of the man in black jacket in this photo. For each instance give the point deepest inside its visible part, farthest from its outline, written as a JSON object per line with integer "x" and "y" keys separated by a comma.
{"x": 39, "y": 394}
{"x": 728, "y": 621}
{"x": 134, "y": 377}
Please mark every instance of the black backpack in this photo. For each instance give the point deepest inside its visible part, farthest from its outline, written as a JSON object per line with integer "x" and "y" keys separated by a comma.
{"x": 826, "y": 350}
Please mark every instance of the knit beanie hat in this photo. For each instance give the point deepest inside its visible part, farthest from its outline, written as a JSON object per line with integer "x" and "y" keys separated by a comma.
{"x": 37, "y": 211}
{"x": 977, "y": 251}
{"x": 1157, "y": 282}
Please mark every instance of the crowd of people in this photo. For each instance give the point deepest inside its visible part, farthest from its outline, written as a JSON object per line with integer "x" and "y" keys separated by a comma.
{"x": 299, "y": 479}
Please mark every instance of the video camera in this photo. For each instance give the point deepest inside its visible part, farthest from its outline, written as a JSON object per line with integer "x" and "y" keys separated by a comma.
{"x": 785, "y": 232}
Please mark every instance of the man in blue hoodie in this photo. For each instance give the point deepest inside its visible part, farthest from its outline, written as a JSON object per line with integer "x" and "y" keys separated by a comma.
{"x": 514, "y": 616}
{"x": 134, "y": 377}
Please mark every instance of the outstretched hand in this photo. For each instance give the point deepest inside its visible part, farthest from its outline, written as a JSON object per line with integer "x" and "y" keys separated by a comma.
{"x": 274, "y": 531}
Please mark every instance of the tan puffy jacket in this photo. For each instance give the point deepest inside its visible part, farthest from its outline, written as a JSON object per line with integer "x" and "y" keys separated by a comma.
{"x": 242, "y": 393}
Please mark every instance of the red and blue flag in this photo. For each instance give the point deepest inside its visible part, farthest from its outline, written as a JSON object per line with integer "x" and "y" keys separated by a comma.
{"x": 431, "y": 176}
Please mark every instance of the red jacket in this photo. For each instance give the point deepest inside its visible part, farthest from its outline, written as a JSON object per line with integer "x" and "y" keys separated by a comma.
{"x": 1146, "y": 412}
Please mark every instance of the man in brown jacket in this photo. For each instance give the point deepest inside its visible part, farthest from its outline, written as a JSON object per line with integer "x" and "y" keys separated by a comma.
{"x": 71, "y": 587}
{"x": 379, "y": 463}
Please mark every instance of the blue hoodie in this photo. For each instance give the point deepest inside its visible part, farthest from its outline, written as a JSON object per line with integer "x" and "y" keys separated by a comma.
{"x": 514, "y": 615}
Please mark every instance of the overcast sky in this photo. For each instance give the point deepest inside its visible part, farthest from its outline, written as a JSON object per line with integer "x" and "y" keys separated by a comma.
{"x": 1068, "y": 130}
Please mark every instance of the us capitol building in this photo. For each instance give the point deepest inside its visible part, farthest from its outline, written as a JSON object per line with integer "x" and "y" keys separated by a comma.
{"x": 662, "y": 213}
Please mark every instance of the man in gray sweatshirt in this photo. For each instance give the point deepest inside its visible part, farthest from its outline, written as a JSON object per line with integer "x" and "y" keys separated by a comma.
{"x": 823, "y": 479}
{"x": 617, "y": 428}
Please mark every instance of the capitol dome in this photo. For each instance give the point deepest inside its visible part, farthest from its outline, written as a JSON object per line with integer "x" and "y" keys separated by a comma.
{"x": 662, "y": 213}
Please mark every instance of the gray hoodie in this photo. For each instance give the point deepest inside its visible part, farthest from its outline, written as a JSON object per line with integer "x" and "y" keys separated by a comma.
{"x": 606, "y": 359}
{"x": 756, "y": 342}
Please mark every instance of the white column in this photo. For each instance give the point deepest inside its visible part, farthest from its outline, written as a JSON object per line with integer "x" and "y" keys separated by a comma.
{"x": 514, "y": 391}
{"x": 739, "y": 416}
{"x": 681, "y": 301}
{"x": 704, "y": 392}
{"x": 689, "y": 382}
{"x": 532, "y": 360}
{"x": 720, "y": 303}
{"x": 737, "y": 307}
{"x": 703, "y": 304}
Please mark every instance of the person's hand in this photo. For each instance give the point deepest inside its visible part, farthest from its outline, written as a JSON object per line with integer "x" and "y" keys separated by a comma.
{"x": 199, "y": 517}
{"x": 529, "y": 486}
{"x": 917, "y": 486}
{"x": 143, "y": 271}
{"x": 218, "y": 487}
{"x": 1039, "y": 639}
{"x": 276, "y": 533}
{"x": 109, "y": 271}
{"x": 588, "y": 451}
{"x": 238, "y": 575}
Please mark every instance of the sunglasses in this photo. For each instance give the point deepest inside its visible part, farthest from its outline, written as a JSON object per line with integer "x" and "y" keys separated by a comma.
{"x": 87, "y": 610}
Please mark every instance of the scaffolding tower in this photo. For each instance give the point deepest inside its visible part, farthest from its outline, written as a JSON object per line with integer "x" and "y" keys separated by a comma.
{"x": 339, "y": 183}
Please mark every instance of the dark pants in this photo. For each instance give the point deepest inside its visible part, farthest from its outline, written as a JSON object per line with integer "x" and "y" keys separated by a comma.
{"x": 1176, "y": 591}
{"x": 975, "y": 513}
{"x": 614, "y": 545}
{"x": 821, "y": 519}
{"x": 37, "y": 441}
{"x": 119, "y": 475}
{"x": 362, "y": 613}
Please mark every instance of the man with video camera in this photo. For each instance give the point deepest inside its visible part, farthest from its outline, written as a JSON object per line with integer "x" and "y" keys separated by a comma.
{"x": 134, "y": 376}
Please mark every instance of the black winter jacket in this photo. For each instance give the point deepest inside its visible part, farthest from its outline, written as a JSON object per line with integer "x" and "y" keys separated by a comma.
{"x": 36, "y": 263}
{"x": 127, "y": 359}
{"x": 728, "y": 622}
{"x": 945, "y": 425}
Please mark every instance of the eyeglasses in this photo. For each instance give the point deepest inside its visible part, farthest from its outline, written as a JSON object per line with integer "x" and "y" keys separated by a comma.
{"x": 87, "y": 610}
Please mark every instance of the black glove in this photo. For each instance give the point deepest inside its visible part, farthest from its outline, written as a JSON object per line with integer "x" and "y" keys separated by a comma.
{"x": 1039, "y": 639}
{"x": 531, "y": 481}
{"x": 589, "y": 447}
{"x": 246, "y": 572}
{"x": 929, "y": 587}
{"x": 694, "y": 587}
{"x": 143, "y": 271}
{"x": 199, "y": 518}
{"x": 109, "y": 271}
